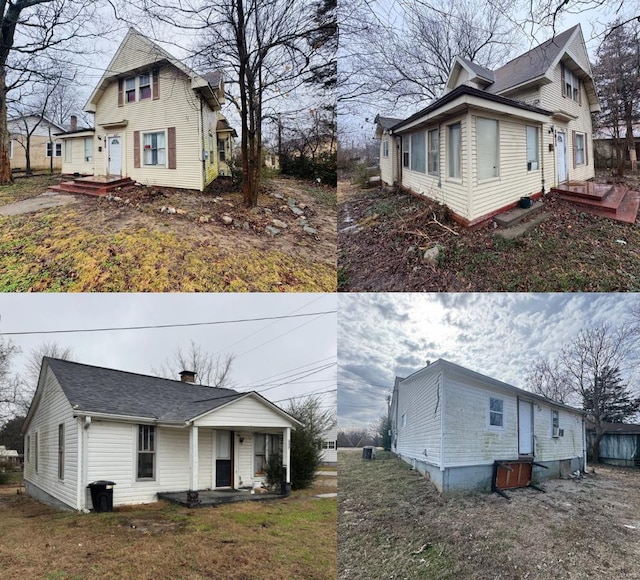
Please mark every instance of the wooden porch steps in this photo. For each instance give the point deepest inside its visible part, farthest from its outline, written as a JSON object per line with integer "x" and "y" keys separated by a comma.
{"x": 612, "y": 201}
{"x": 99, "y": 186}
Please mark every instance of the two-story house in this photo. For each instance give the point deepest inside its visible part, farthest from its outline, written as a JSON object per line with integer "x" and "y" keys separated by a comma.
{"x": 498, "y": 135}
{"x": 156, "y": 121}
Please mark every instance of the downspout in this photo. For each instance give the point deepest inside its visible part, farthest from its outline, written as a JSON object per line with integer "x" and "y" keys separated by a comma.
{"x": 442, "y": 423}
{"x": 399, "y": 160}
{"x": 80, "y": 461}
{"x": 542, "y": 159}
{"x": 584, "y": 445}
{"x": 202, "y": 148}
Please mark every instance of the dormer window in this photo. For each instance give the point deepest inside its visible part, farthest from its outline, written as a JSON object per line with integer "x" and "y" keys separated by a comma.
{"x": 130, "y": 90}
{"x": 145, "y": 86}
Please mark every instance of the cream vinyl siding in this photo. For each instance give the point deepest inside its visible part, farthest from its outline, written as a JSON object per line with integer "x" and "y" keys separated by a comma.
{"x": 578, "y": 53}
{"x": 53, "y": 409}
{"x": 420, "y": 399}
{"x": 209, "y": 122}
{"x": 177, "y": 107}
{"x": 454, "y": 194}
{"x": 242, "y": 413}
{"x": 38, "y": 149}
{"x": 529, "y": 95}
{"x": 514, "y": 180}
{"x": 77, "y": 163}
{"x": 243, "y": 466}
{"x": 388, "y": 164}
{"x": 205, "y": 458}
{"x": 468, "y": 437}
{"x": 547, "y": 447}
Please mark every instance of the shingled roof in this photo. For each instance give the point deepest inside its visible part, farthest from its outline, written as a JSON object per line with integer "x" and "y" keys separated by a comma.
{"x": 101, "y": 390}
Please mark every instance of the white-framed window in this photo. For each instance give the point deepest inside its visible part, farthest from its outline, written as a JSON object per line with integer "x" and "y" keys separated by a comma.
{"x": 222, "y": 151}
{"x": 10, "y": 148}
{"x": 406, "y": 150}
{"x": 68, "y": 150}
{"x": 145, "y": 86}
{"x": 328, "y": 445}
{"x": 35, "y": 452}
{"x": 154, "y": 149}
{"x": 433, "y": 155}
{"x": 404, "y": 420}
{"x": 57, "y": 149}
{"x": 88, "y": 149}
{"x": 28, "y": 448}
{"x": 385, "y": 148}
{"x": 146, "y": 452}
{"x": 496, "y": 412}
{"x": 555, "y": 423}
{"x": 454, "y": 147}
{"x": 130, "y": 90}
{"x": 533, "y": 149}
{"x": 571, "y": 85}
{"x": 418, "y": 152}
{"x": 488, "y": 148}
{"x": 579, "y": 149}
{"x": 264, "y": 445}
{"x": 61, "y": 451}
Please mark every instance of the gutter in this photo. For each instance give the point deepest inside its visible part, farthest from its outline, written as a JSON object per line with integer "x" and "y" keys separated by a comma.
{"x": 127, "y": 418}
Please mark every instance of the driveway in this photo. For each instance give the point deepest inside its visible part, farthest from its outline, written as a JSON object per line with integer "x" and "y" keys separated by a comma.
{"x": 43, "y": 201}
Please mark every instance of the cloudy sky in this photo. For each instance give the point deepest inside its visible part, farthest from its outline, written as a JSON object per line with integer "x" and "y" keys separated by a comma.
{"x": 262, "y": 349}
{"x": 381, "y": 336}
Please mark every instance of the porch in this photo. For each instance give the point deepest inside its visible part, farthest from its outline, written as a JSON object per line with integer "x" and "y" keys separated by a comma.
{"x": 614, "y": 201}
{"x": 213, "y": 497}
{"x": 99, "y": 185}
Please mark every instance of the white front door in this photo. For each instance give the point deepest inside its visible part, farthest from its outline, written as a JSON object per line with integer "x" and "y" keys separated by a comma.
{"x": 525, "y": 427}
{"x": 561, "y": 147}
{"x": 114, "y": 166}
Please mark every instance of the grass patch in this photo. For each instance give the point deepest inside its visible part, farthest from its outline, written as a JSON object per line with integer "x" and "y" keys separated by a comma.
{"x": 26, "y": 187}
{"x": 325, "y": 196}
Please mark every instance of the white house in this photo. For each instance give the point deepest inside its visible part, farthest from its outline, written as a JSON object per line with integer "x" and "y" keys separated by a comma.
{"x": 498, "y": 135}
{"x": 157, "y": 121}
{"x": 452, "y": 424}
{"x": 144, "y": 433}
{"x": 329, "y": 446}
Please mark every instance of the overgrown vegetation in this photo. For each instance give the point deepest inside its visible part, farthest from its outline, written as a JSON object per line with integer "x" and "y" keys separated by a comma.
{"x": 322, "y": 169}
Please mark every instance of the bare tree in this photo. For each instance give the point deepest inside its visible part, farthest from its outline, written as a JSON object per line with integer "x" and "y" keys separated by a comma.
{"x": 34, "y": 360}
{"x": 10, "y": 391}
{"x": 549, "y": 378}
{"x": 210, "y": 370}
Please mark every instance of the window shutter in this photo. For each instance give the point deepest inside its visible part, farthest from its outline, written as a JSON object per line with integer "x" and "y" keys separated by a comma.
{"x": 564, "y": 88}
{"x": 575, "y": 149}
{"x": 156, "y": 84}
{"x": 171, "y": 134}
{"x": 586, "y": 150}
{"x": 120, "y": 92}
{"x": 579, "y": 93}
{"x": 136, "y": 148}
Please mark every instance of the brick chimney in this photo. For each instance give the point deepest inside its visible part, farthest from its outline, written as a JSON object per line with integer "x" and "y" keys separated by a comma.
{"x": 73, "y": 122}
{"x": 188, "y": 376}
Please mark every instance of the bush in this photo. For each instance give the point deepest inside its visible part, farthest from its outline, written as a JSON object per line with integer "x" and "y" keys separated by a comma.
{"x": 273, "y": 470}
{"x": 323, "y": 167}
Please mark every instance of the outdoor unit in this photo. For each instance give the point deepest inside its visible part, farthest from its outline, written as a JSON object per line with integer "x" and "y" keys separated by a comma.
{"x": 556, "y": 432}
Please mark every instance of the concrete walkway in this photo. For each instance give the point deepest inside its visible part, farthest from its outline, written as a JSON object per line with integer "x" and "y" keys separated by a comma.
{"x": 43, "y": 201}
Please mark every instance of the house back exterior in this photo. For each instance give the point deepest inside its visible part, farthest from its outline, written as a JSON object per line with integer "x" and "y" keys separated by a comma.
{"x": 451, "y": 424}
{"x": 156, "y": 121}
{"x": 498, "y": 135}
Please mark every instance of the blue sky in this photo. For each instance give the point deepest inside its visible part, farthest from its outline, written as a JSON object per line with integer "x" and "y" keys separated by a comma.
{"x": 381, "y": 336}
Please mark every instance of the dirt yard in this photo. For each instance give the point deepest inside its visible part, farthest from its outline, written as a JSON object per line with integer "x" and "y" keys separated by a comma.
{"x": 156, "y": 239}
{"x": 393, "y": 524}
{"x": 289, "y": 538}
{"x": 383, "y": 236}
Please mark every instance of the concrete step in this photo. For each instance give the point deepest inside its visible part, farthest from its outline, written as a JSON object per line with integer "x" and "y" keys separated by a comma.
{"x": 513, "y": 216}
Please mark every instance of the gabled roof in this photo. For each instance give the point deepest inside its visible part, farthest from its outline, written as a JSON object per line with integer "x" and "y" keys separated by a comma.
{"x": 222, "y": 126}
{"x": 34, "y": 116}
{"x": 441, "y": 365}
{"x": 102, "y": 391}
{"x": 475, "y": 70}
{"x": 137, "y": 48}
{"x": 617, "y": 428}
{"x": 386, "y": 122}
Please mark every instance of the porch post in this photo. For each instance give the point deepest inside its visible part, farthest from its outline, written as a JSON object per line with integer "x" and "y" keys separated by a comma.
{"x": 286, "y": 448}
{"x": 192, "y": 494}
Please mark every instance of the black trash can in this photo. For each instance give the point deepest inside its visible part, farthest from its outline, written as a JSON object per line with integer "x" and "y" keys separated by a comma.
{"x": 102, "y": 495}
{"x": 367, "y": 452}
{"x": 285, "y": 486}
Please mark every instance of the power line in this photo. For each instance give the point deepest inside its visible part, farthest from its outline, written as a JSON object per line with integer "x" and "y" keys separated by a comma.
{"x": 306, "y": 395}
{"x": 303, "y": 376}
{"x": 182, "y": 325}
{"x": 289, "y": 371}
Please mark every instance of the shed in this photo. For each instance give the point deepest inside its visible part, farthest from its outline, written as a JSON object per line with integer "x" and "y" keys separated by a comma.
{"x": 620, "y": 444}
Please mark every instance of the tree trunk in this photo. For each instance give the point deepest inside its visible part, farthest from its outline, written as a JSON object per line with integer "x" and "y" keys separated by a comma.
{"x": 5, "y": 165}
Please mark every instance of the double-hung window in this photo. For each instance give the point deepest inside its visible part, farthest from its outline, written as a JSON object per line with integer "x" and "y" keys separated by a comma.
{"x": 533, "y": 149}
{"x": 154, "y": 148}
{"x": 579, "y": 149}
{"x": 454, "y": 150}
{"x": 61, "y": 451}
{"x": 145, "y": 86}
{"x": 433, "y": 139}
{"x": 146, "y": 451}
{"x": 406, "y": 150}
{"x": 418, "y": 152}
{"x": 222, "y": 152}
{"x": 570, "y": 85}
{"x": 50, "y": 149}
{"x": 385, "y": 148}
{"x": 88, "y": 149}
{"x": 496, "y": 412}
{"x": 488, "y": 147}
{"x": 264, "y": 446}
{"x": 130, "y": 90}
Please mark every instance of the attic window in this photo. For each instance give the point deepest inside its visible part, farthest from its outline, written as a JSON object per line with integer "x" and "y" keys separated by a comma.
{"x": 130, "y": 90}
{"x": 145, "y": 86}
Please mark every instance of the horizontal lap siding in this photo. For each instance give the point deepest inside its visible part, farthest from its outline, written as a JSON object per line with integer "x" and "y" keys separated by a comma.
{"x": 244, "y": 455}
{"x": 246, "y": 412}
{"x": 52, "y": 410}
{"x": 548, "y": 448}
{"x": 514, "y": 180}
{"x": 386, "y": 163}
{"x": 177, "y": 107}
{"x": 205, "y": 458}
{"x": 454, "y": 195}
{"x": 420, "y": 398}
{"x": 77, "y": 163}
{"x": 468, "y": 440}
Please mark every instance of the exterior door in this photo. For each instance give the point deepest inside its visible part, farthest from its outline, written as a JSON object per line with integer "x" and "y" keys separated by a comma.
{"x": 525, "y": 427}
{"x": 561, "y": 148}
{"x": 224, "y": 443}
{"x": 115, "y": 155}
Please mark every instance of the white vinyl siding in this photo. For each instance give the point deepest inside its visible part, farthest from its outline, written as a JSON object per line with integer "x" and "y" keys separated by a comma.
{"x": 533, "y": 149}
{"x": 388, "y": 165}
{"x": 488, "y": 159}
{"x": 245, "y": 411}
{"x": 433, "y": 157}
{"x": 454, "y": 146}
{"x": 385, "y": 148}
{"x": 549, "y": 448}
{"x": 418, "y": 152}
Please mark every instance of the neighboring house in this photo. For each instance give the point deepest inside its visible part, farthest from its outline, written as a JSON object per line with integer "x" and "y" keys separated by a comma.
{"x": 43, "y": 143}
{"x": 156, "y": 121}
{"x": 451, "y": 424}
{"x": 226, "y": 133}
{"x": 329, "y": 446}
{"x": 146, "y": 434}
{"x": 606, "y": 152}
{"x": 498, "y": 135}
{"x": 10, "y": 456}
{"x": 620, "y": 444}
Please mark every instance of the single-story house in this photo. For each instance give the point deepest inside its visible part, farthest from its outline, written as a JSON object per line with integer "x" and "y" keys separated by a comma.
{"x": 620, "y": 444}
{"x": 146, "y": 434}
{"x": 39, "y": 135}
{"x": 329, "y": 446}
{"x": 156, "y": 121}
{"x": 9, "y": 456}
{"x": 452, "y": 424}
{"x": 496, "y": 136}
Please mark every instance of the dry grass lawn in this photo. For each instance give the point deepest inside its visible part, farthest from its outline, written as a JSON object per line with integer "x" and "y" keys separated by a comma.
{"x": 289, "y": 538}
{"x": 393, "y": 524}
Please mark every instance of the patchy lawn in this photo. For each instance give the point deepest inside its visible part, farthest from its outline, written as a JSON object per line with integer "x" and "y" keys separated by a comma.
{"x": 132, "y": 244}
{"x": 24, "y": 188}
{"x": 394, "y": 524}
{"x": 289, "y": 538}
{"x": 383, "y": 236}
